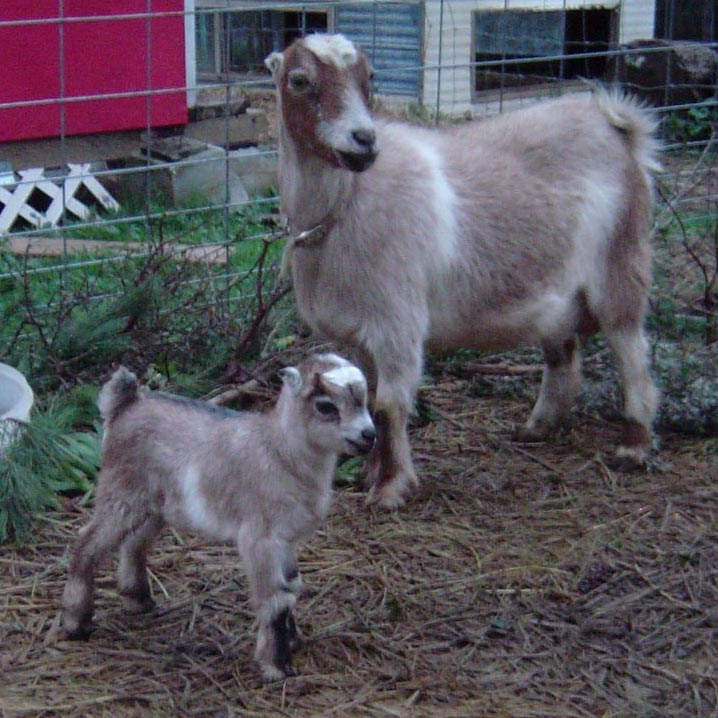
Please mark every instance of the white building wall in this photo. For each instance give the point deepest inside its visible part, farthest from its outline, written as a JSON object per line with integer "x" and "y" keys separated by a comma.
{"x": 452, "y": 20}
{"x": 637, "y": 20}
{"x": 190, "y": 52}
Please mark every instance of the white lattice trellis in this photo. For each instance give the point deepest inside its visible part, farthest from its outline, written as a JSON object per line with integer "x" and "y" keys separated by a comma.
{"x": 59, "y": 192}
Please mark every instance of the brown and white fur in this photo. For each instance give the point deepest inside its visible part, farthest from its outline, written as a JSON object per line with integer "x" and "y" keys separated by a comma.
{"x": 260, "y": 481}
{"x": 527, "y": 228}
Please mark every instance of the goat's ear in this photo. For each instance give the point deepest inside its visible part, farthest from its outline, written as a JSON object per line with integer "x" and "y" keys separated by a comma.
{"x": 274, "y": 63}
{"x": 291, "y": 377}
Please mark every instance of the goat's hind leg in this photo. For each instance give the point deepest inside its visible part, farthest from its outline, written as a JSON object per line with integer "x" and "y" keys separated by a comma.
{"x": 560, "y": 383}
{"x": 640, "y": 396}
{"x": 132, "y": 580}
{"x": 104, "y": 532}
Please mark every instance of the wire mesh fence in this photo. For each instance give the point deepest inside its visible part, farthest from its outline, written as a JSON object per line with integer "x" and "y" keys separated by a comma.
{"x": 137, "y": 190}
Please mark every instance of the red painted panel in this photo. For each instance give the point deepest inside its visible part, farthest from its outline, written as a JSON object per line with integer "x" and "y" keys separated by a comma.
{"x": 102, "y": 56}
{"x": 30, "y": 54}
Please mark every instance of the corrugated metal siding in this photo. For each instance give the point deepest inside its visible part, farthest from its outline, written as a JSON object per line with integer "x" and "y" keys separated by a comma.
{"x": 390, "y": 33}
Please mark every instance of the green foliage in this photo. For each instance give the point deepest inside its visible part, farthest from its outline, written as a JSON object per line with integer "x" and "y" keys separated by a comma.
{"x": 349, "y": 472}
{"x": 149, "y": 308}
{"x": 692, "y": 125}
{"x": 96, "y": 332}
{"x": 421, "y": 114}
{"x": 198, "y": 222}
{"x": 689, "y": 384}
{"x": 46, "y": 458}
{"x": 686, "y": 377}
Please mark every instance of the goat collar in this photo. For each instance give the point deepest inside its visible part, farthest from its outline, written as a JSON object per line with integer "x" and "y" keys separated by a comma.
{"x": 308, "y": 239}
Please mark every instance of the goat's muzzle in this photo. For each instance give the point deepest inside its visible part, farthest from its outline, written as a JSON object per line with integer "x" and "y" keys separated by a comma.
{"x": 356, "y": 161}
{"x": 362, "y": 444}
{"x": 364, "y": 153}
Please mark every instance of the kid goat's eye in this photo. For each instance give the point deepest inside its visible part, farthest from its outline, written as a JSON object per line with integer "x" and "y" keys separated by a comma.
{"x": 326, "y": 408}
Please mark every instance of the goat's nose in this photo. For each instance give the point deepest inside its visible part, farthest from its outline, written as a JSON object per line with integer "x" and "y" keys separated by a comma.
{"x": 365, "y": 138}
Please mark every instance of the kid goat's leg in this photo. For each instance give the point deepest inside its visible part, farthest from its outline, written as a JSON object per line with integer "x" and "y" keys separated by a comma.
{"x": 96, "y": 540}
{"x": 132, "y": 579}
{"x": 290, "y": 570}
{"x": 266, "y": 559}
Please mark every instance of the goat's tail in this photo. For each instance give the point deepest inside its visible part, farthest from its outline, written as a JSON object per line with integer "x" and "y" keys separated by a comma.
{"x": 117, "y": 393}
{"x": 628, "y": 115}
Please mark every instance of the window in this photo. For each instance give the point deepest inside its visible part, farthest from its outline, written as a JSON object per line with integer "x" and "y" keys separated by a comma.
{"x": 519, "y": 48}
{"x": 238, "y": 41}
{"x": 687, "y": 20}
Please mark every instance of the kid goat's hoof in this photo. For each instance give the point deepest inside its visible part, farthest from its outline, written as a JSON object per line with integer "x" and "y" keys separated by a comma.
{"x": 139, "y": 603}
{"x": 81, "y": 633}
{"x": 272, "y": 674}
{"x": 524, "y": 435}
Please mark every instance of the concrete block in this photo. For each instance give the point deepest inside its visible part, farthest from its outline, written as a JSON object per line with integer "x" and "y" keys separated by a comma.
{"x": 256, "y": 167}
{"x": 204, "y": 174}
{"x": 233, "y": 131}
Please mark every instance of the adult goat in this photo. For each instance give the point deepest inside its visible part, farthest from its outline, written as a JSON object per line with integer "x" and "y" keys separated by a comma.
{"x": 527, "y": 228}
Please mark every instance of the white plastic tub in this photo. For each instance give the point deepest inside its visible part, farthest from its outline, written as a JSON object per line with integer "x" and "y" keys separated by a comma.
{"x": 16, "y": 400}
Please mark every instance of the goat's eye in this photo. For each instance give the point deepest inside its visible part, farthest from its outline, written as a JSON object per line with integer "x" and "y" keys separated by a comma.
{"x": 326, "y": 409}
{"x": 299, "y": 81}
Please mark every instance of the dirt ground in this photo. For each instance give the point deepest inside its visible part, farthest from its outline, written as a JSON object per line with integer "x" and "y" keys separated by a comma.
{"x": 519, "y": 581}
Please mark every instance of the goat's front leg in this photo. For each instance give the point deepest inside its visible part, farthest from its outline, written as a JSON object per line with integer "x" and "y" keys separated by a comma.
{"x": 290, "y": 570}
{"x": 273, "y": 597}
{"x": 390, "y": 469}
{"x": 560, "y": 383}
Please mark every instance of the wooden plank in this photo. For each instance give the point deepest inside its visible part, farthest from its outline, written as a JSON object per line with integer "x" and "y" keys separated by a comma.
{"x": 54, "y": 247}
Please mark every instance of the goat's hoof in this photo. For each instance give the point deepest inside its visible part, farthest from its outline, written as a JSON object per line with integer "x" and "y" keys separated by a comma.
{"x": 272, "y": 674}
{"x": 627, "y": 461}
{"x": 81, "y": 633}
{"x": 526, "y": 435}
{"x": 633, "y": 449}
{"x": 385, "y": 496}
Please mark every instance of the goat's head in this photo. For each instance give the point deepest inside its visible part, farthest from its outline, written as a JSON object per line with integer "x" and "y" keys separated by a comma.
{"x": 328, "y": 395}
{"x": 323, "y": 85}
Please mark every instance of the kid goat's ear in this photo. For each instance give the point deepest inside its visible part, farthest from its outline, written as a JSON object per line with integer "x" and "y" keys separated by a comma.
{"x": 291, "y": 377}
{"x": 274, "y": 63}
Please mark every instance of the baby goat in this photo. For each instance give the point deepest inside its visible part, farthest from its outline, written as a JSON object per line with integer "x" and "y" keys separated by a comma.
{"x": 259, "y": 480}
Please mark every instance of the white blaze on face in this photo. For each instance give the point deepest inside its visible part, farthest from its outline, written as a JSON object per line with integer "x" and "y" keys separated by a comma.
{"x": 334, "y": 49}
{"x": 344, "y": 375}
{"x": 338, "y": 132}
{"x": 344, "y": 372}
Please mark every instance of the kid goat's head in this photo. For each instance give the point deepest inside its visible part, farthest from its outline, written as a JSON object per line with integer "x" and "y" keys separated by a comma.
{"x": 323, "y": 84}
{"x": 328, "y": 395}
